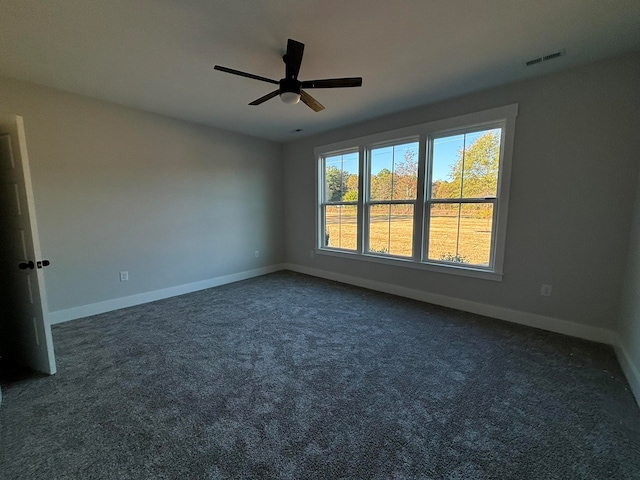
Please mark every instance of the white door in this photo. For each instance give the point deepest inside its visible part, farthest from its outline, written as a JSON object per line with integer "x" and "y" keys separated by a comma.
{"x": 25, "y": 332}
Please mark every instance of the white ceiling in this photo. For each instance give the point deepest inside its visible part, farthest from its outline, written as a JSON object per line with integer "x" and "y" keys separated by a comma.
{"x": 158, "y": 55}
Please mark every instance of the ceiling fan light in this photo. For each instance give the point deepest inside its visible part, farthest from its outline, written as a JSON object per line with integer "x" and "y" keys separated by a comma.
{"x": 290, "y": 98}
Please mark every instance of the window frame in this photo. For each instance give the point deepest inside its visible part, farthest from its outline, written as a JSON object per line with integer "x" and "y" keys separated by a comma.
{"x": 425, "y": 134}
{"x": 368, "y": 202}
{"x": 494, "y": 200}
{"x": 323, "y": 203}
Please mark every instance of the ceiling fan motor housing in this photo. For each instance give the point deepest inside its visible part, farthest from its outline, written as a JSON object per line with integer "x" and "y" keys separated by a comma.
{"x": 289, "y": 85}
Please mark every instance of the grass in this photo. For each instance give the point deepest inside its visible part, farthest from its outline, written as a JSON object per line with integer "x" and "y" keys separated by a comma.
{"x": 470, "y": 241}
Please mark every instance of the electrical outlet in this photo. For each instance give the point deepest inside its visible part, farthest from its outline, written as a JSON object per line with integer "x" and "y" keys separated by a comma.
{"x": 545, "y": 290}
{"x": 257, "y": 253}
{"x": 124, "y": 276}
{"x": 312, "y": 253}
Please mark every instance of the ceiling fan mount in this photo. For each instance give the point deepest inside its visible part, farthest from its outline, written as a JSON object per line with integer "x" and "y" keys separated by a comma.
{"x": 290, "y": 89}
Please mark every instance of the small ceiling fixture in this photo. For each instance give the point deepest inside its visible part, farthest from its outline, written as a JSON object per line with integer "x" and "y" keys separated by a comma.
{"x": 290, "y": 88}
{"x": 290, "y": 98}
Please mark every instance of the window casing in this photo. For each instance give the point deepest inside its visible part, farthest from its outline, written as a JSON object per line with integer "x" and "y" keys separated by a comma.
{"x": 431, "y": 196}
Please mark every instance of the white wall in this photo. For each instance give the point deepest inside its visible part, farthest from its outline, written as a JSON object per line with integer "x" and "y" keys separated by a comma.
{"x": 629, "y": 326}
{"x": 573, "y": 184}
{"x": 171, "y": 202}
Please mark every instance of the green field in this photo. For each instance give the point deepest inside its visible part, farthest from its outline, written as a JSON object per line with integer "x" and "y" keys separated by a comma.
{"x": 392, "y": 232}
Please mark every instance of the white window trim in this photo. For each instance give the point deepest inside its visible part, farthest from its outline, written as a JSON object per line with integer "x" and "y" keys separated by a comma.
{"x": 503, "y": 116}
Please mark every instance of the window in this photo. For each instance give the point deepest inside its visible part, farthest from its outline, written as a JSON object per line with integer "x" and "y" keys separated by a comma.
{"x": 460, "y": 204}
{"x": 432, "y": 196}
{"x": 340, "y": 200}
{"x": 392, "y": 193}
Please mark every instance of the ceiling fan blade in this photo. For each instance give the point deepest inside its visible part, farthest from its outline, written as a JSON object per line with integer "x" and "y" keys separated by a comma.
{"x": 293, "y": 58}
{"x": 311, "y": 102}
{"x": 333, "y": 83}
{"x": 244, "y": 74}
{"x": 268, "y": 96}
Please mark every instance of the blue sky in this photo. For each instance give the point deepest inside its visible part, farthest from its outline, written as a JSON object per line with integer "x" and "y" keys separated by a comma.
{"x": 445, "y": 154}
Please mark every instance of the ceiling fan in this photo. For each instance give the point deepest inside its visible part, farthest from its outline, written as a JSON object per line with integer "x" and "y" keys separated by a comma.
{"x": 290, "y": 88}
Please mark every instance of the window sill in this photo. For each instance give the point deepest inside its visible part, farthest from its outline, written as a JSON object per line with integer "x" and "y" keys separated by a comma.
{"x": 400, "y": 262}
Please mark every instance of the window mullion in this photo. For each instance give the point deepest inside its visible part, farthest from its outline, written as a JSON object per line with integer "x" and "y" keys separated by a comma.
{"x": 363, "y": 210}
{"x": 391, "y": 202}
{"x": 321, "y": 210}
{"x": 494, "y": 220}
{"x": 419, "y": 206}
{"x": 428, "y": 175}
{"x": 492, "y": 200}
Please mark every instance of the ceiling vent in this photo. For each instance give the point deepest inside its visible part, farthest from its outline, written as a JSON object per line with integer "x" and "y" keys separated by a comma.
{"x": 545, "y": 58}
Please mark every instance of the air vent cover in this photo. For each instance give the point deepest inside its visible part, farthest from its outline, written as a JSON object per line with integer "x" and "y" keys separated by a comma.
{"x": 545, "y": 58}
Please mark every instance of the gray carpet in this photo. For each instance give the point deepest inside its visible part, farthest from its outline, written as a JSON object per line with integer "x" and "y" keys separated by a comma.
{"x": 289, "y": 376}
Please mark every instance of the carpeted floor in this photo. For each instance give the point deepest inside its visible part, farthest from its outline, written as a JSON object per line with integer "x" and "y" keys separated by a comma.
{"x": 289, "y": 376}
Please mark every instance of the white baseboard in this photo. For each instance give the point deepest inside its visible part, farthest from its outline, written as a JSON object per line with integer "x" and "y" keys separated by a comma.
{"x": 630, "y": 370}
{"x": 556, "y": 325}
{"x": 60, "y": 316}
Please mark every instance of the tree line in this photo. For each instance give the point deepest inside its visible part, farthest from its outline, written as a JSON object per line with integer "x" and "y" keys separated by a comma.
{"x": 474, "y": 174}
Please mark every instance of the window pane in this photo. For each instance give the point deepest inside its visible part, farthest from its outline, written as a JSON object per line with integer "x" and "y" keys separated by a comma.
{"x": 405, "y": 171}
{"x": 401, "y": 230}
{"x": 341, "y": 178}
{"x": 391, "y": 229}
{"x": 394, "y": 172}
{"x": 381, "y": 173}
{"x": 379, "y": 228}
{"x": 443, "y": 231}
{"x": 481, "y": 163}
{"x": 341, "y": 226}
{"x": 461, "y": 233}
{"x": 445, "y": 178}
{"x": 466, "y": 165}
{"x": 476, "y": 222}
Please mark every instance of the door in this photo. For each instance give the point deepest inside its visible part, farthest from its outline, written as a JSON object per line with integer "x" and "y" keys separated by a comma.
{"x": 25, "y": 332}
